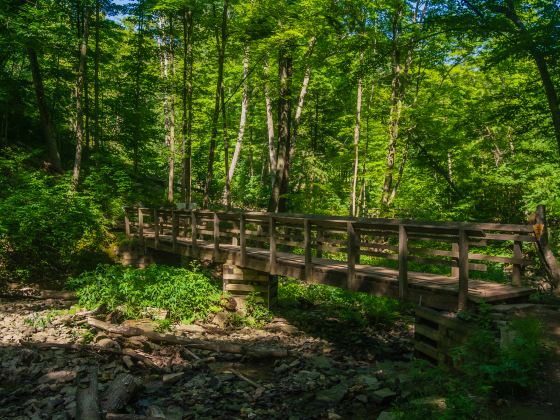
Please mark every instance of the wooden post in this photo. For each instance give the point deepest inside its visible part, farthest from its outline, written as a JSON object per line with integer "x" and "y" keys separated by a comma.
{"x": 540, "y": 228}
{"x": 174, "y": 228}
{"x": 351, "y": 251}
{"x": 193, "y": 230}
{"x": 126, "y": 222}
{"x": 272, "y": 229}
{"x": 156, "y": 228}
{"x": 463, "y": 270}
{"x": 307, "y": 249}
{"x": 517, "y": 268}
{"x": 140, "y": 226}
{"x": 216, "y": 235}
{"x": 243, "y": 248}
{"x": 234, "y": 240}
{"x": 455, "y": 252}
{"x": 403, "y": 262}
{"x": 319, "y": 242}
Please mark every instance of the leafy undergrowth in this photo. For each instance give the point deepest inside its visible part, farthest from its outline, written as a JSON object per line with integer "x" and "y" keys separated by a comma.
{"x": 484, "y": 373}
{"x": 188, "y": 294}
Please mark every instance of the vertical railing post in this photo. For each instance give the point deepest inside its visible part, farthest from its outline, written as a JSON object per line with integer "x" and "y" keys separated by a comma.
{"x": 243, "y": 248}
{"x": 403, "y": 262}
{"x": 174, "y": 228}
{"x": 463, "y": 270}
{"x": 272, "y": 233}
{"x": 455, "y": 260}
{"x": 517, "y": 267}
{"x": 140, "y": 226}
{"x": 216, "y": 235}
{"x": 156, "y": 228}
{"x": 126, "y": 222}
{"x": 307, "y": 249}
{"x": 319, "y": 242}
{"x": 194, "y": 232}
{"x": 351, "y": 251}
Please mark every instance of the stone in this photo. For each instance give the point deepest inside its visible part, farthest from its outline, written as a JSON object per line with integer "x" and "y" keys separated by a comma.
{"x": 282, "y": 368}
{"x": 332, "y": 395}
{"x": 321, "y": 362}
{"x": 171, "y": 378}
{"x": 383, "y": 395}
{"x": 221, "y": 319}
{"x": 189, "y": 328}
{"x": 386, "y": 415}
{"x": 57, "y": 376}
{"x": 371, "y": 383}
{"x": 362, "y": 398}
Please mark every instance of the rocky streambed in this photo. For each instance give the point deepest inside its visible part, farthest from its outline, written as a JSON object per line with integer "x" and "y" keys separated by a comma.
{"x": 330, "y": 369}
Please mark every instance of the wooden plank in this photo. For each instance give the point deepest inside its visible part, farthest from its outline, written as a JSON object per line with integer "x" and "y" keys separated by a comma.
{"x": 307, "y": 249}
{"x": 426, "y": 331}
{"x": 242, "y": 243}
{"x": 126, "y": 222}
{"x": 174, "y": 230}
{"x": 272, "y": 234}
{"x": 216, "y": 233}
{"x": 455, "y": 255}
{"x": 498, "y": 259}
{"x": 141, "y": 226}
{"x": 403, "y": 262}
{"x": 517, "y": 268}
{"x": 194, "y": 233}
{"x": 156, "y": 228}
{"x": 351, "y": 252}
{"x": 463, "y": 270}
{"x": 510, "y": 237}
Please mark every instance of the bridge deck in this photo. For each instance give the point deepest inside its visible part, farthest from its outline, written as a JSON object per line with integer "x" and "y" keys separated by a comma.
{"x": 432, "y": 290}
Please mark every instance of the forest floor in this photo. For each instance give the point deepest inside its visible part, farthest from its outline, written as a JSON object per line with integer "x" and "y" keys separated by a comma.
{"x": 332, "y": 371}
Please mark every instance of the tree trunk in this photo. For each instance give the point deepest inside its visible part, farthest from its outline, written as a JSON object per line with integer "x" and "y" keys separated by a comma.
{"x": 396, "y": 104}
{"x": 186, "y": 182}
{"x": 284, "y": 122}
{"x": 221, "y": 46}
{"x": 353, "y": 208}
{"x": 137, "y": 91}
{"x": 270, "y": 130}
{"x": 241, "y": 133}
{"x": 79, "y": 104}
{"x": 46, "y": 123}
{"x": 96, "y": 136}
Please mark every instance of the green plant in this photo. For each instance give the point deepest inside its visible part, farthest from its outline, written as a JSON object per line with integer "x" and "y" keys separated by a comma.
{"x": 188, "y": 294}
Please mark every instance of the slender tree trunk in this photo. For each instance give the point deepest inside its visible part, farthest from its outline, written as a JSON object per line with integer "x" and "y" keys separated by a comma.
{"x": 353, "y": 208}
{"x": 138, "y": 91}
{"x": 96, "y": 135}
{"x": 221, "y": 46}
{"x": 187, "y": 105}
{"x": 396, "y": 104}
{"x": 284, "y": 122}
{"x": 46, "y": 123}
{"x": 270, "y": 130}
{"x": 225, "y": 135}
{"x": 294, "y": 129}
{"x": 79, "y": 104}
{"x": 241, "y": 133}
{"x": 364, "y": 161}
{"x": 168, "y": 70}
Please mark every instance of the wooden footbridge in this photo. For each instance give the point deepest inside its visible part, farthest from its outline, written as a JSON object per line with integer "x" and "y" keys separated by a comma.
{"x": 433, "y": 264}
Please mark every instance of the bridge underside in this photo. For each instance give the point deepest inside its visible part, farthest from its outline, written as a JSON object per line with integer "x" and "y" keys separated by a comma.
{"x": 432, "y": 290}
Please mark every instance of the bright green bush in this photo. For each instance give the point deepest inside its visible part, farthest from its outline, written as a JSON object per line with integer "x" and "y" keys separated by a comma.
{"x": 360, "y": 308}
{"x": 46, "y": 231}
{"x": 188, "y": 294}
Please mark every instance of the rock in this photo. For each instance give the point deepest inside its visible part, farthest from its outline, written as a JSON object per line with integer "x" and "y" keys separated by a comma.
{"x": 58, "y": 376}
{"x": 386, "y": 415}
{"x": 155, "y": 411}
{"x": 171, "y": 378}
{"x": 332, "y": 395}
{"x": 127, "y": 361}
{"x": 321, "y": 362}
{"x": 189, "y": 328}
{"x": 383, "y": 395}
{"x": 221, "y": 319}
{"x": 107, "y": 343}
{"x": 371, "y": 383}
{"x": 282, "y": 368}
{"x": 362, "y": 398}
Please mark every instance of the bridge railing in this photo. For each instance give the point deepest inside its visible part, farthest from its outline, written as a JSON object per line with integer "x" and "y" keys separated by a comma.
{"x": 460, "y": 248}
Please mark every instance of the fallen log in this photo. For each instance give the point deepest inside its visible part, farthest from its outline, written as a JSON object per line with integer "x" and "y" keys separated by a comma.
{"x": 87, "y": 403}
{"x": 119, "y": 392}
{"x": 218, "y": 347}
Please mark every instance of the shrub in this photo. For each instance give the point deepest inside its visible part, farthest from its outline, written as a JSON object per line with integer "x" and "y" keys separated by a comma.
{"x": 188, "y": 294}
{"x": 46, "y": 231}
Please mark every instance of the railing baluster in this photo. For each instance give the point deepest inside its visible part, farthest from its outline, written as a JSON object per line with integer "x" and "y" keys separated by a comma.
{"x": 403, "y": 262}
{"x": 272, "y": 229}
{"x": 319, "y": 242}
{"x": 455, "y": 251}
{"x": 307, "y": 248}
{"x": 156, "y": 228}
{"x": 517, "y": 268}
{"x": 174, "y": 228}
{"x": 140, "y": 226}
{"x": 351, "y": 251}
{"x": 126, "y": 222}
{"x": 243, "y": 248}
{"x": 463, "y": 270}
{"x": 193, "y": 230}
{"x": 216, "y": 235}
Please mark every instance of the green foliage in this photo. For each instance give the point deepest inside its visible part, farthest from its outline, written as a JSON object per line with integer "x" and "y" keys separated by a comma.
{"x": 188, "y": 294}
{"x": 359, "y": 308}
{"x": 46, "y": 232}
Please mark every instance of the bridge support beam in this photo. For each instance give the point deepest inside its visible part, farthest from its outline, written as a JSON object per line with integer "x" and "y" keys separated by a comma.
{"x": 240, "y": 282}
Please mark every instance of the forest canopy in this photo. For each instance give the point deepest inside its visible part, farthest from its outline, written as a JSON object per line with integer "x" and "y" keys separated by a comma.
{"x": 425, "y": 109}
